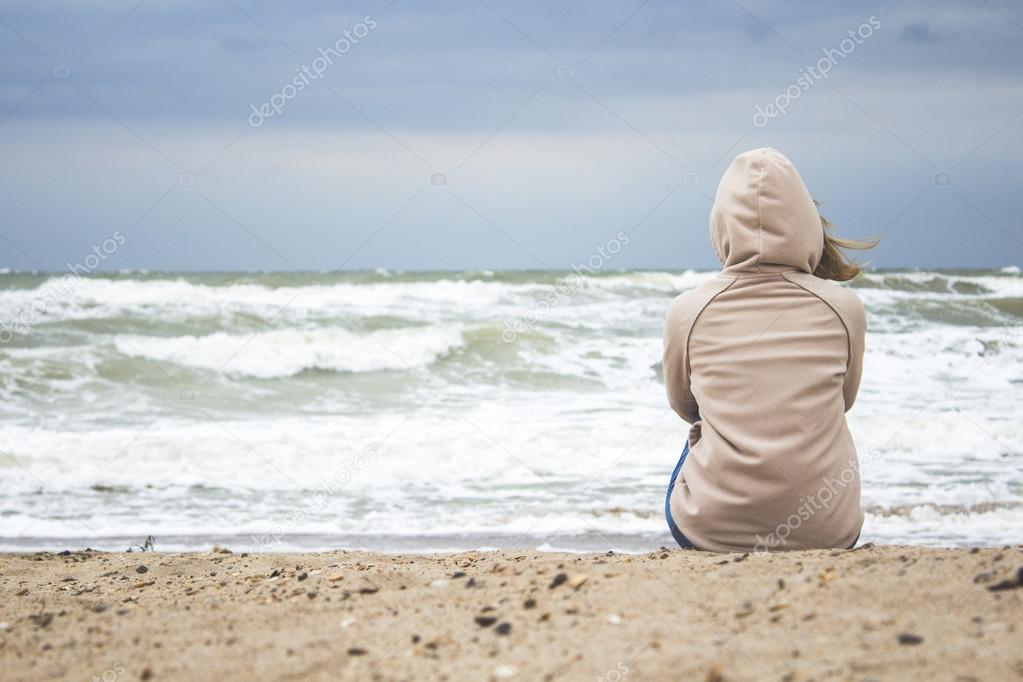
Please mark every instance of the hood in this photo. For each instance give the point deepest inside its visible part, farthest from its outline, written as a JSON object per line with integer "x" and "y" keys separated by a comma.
{"x": 764, "y": 219}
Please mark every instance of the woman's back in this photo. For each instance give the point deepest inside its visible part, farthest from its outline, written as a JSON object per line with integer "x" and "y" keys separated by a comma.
{"x": 764, "y": 360}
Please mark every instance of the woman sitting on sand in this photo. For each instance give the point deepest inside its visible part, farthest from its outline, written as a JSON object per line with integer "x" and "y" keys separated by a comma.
{"x": 764, "y": 361}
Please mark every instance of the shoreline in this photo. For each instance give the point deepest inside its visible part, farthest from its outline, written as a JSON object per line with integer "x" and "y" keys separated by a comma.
{"x": 883, "y": 612}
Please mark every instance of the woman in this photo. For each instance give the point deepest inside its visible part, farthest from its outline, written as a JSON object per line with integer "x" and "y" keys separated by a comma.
{"x": 764, "y": 361}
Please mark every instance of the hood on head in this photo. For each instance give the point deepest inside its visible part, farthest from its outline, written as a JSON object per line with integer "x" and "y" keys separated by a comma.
{"x": 764, "y": 219}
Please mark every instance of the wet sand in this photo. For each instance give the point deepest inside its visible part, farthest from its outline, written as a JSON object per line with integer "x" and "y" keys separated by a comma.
{"x": 874, "y": 613}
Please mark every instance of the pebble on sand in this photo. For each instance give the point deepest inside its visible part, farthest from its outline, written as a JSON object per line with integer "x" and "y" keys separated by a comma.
{"x": 559, "y": 579}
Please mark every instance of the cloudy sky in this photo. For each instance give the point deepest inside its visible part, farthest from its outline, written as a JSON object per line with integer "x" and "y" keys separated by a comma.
{"x": 216, "y": 134}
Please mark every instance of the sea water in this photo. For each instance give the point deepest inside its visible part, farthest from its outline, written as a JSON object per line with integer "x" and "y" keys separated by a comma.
{"x": 440, "y": 411}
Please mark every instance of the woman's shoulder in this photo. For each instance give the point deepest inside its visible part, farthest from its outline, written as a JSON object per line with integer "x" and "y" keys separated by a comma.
{"x": 842, "y": 299}
{"x": 688, "y": 304}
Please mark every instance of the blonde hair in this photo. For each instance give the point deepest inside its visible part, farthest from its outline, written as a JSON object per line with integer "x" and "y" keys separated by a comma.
{"x": 834, "y": 264}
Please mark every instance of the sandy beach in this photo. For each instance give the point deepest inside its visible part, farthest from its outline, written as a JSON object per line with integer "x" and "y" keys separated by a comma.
{"x": 881, "y": 613}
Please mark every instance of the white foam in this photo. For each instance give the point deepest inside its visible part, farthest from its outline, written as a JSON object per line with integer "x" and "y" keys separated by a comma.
{"x": 286, "y": 352}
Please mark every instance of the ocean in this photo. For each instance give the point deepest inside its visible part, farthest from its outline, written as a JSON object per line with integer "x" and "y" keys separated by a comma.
{"x": 402, "y": 411}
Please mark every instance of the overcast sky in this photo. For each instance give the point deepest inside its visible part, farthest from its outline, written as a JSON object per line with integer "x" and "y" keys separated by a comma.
{"x": 496, "y": 133}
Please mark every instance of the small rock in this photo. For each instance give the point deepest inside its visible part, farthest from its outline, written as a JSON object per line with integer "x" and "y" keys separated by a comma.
{"x": 146, "y": 674}
{"x": 302, "y": 576}
{"x": 41, "y": 619}
{"x": 714, "y": 674}
{"x": 529, "y": 604}
{"x": 141, "y": 568}
{"x": 576, "y": 581}
{"x": 458, "y": 574}
{"x": 485, "y": 621}
{"x": 504, "y": 671}
{"x": 909, "y": 639}
{"x": 357, "y": 651}
{"x": 1010, "y": 584}
{"x": 559, "y": 579}
{"x": 503, "y": 629}
{"x": 614, "y": 619}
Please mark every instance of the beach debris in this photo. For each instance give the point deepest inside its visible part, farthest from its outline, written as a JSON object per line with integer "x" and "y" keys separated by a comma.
{"x": 826, "y": 575}
{"x": 559, "y": 579}
{"x": 503, "y": 629}
{"x": 910, "y": 639}
{"x": 141, "y": 568}
{"x": 1011, "y": 584}
{"x": 217, "y": 549}
{"x": 504, "y": 671}
{"x": 4, "y": 626}
{"x": 577, "y": 581}
{"x": 485, "y": 621}
{"x": 334, "y": 578}
{"x": 614, "y": 619}
{"x": 747, "y": 610}
{"x": 41, "y": 619}
{"x": 440, "y": 582}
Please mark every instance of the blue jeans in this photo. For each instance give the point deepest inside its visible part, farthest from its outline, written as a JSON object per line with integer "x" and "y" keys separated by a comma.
{"x": 682, "y": 541}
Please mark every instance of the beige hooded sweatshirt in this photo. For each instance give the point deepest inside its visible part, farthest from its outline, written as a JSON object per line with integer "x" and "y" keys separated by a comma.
{"x": 764, "y": 361}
